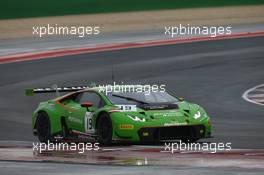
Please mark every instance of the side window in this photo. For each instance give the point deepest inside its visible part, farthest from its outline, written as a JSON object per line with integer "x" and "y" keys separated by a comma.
{"x": 90, "y": 97}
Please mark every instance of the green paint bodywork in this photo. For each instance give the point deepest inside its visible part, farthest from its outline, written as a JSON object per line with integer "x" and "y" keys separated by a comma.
{"x": 75, "y": 120}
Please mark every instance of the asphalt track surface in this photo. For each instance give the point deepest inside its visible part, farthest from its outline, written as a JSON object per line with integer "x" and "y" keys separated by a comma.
{"x": 213, "y": 74}
{"x": 11, "y": 168}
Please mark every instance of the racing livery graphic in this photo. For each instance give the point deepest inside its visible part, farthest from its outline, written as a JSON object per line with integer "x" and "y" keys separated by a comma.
{"x": 116, "y": 117}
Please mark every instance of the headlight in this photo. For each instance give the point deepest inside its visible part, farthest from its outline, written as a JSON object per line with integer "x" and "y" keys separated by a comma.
{"x": 137, "y": 119}
{"x": 197, "y": 115}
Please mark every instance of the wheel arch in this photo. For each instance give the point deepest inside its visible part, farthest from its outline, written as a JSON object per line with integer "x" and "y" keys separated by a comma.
{"x": 54, "y": 119}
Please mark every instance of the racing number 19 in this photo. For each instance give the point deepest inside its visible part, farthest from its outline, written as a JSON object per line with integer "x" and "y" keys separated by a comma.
{"x": 88, "y": 122}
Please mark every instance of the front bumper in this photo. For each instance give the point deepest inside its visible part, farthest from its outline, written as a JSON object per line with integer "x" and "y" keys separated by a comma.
{"x": 171, "y": 133}
{"x": 124, "y": 129}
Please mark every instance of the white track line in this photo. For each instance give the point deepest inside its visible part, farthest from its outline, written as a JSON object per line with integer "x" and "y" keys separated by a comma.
{"x": 259, "y": 100}
{"x": 256, "y": 95}
{"x": 246, "y": 97}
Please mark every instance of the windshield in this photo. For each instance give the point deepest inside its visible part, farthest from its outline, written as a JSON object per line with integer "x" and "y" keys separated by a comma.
{"x": 136, "y": 97}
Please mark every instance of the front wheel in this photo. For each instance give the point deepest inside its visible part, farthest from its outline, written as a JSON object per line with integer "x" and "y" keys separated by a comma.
{"x": 104, "y": 129}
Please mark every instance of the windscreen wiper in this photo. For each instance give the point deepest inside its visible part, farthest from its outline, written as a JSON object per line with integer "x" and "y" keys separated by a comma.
{"x": 130, "y": 98}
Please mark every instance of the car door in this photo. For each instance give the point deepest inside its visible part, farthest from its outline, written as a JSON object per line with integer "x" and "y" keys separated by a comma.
{"x": 83, "y": 114}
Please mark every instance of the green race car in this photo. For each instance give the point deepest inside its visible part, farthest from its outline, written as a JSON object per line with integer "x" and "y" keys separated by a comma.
{"x": 90, "y": 113}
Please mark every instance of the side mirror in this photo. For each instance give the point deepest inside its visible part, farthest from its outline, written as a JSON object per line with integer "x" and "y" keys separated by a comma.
{"x": 181, "y": 98}
{"x": 86, "y": 104}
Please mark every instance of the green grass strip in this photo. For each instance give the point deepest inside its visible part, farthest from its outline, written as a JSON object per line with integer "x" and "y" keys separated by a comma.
{"x": 37, "y": 8}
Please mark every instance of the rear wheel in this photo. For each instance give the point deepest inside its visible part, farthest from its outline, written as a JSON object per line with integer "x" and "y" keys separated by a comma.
{"x": 43, "y": 127}
{"x": 104, "y": 129}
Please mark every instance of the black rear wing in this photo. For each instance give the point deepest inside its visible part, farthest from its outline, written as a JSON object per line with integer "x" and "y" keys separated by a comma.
{"x": 55, "y": 89}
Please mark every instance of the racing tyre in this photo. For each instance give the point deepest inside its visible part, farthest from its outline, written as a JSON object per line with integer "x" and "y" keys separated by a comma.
{"x": 104, "y": 129}
{"x": 43, "y": 127}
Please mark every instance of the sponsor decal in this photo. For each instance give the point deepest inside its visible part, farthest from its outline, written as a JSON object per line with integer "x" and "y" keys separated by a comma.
{"x": 165, "y": 114}
{"x": 126, "y": 126}
{"x": 75, "y": 120}
{"x": 175, "y": 124}
{"x": 128, "y": 108}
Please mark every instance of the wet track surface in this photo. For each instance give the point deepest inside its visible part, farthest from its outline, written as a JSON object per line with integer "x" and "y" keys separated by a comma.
{"x": 214, "y": 74}
{"x": 129, "y": 159}
{"x": 9, "y": 168}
